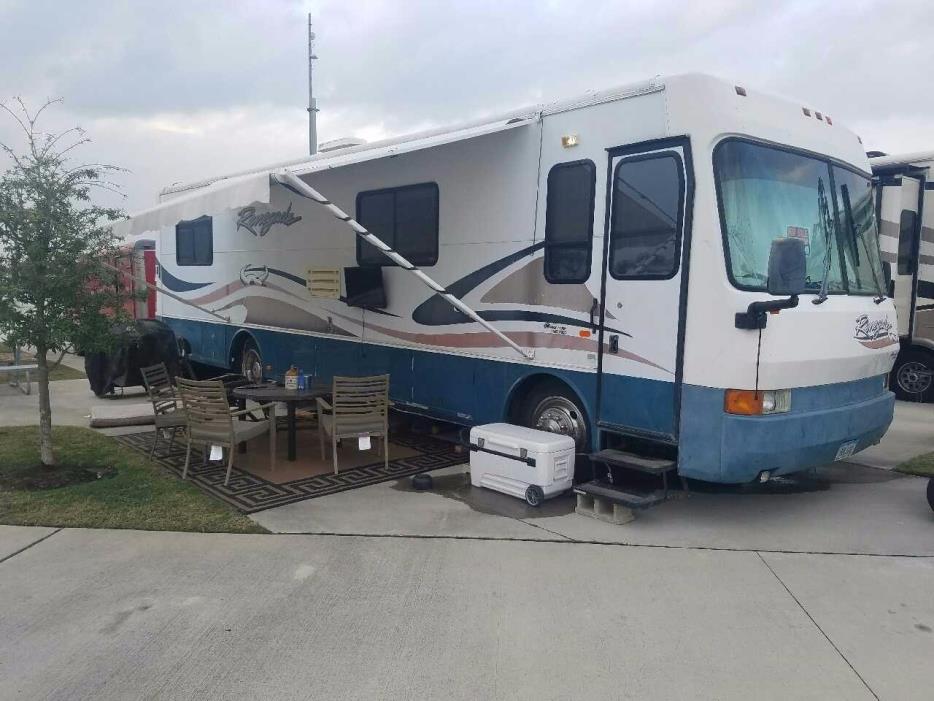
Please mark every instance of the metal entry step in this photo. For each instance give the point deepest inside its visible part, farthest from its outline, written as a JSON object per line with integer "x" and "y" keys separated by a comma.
{"x": 631, "y": 499}
{"x": 631, "y": 461}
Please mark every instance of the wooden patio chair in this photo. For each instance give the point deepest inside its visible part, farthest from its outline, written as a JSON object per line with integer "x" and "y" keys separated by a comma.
{"x": 167, "y": 413}
{"x": 211, "y": 421}
{"x": 359, "y": 407}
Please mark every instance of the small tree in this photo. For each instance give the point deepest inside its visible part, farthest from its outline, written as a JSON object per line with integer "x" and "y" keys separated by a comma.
{"x": 54, "y": 294}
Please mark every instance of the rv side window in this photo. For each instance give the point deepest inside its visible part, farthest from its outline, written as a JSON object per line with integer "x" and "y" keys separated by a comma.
{"x": 569, "y": 222}
{"x": 645, "y": 230}
{"x": 906, "y": 242}
{"x": 194, "y": 242}
{"x": 406, "y": 218}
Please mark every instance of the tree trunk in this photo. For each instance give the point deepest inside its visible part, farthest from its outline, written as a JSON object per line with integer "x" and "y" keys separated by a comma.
{"x": 45, "y": 410}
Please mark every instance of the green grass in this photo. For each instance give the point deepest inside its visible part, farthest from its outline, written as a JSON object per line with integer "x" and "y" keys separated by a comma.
{"x": 141, "y": 495}
{"x": 922, "y": 465}
{"x": 62, "y": 372}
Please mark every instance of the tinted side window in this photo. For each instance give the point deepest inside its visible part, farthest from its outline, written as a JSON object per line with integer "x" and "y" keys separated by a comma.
{"x": 906, "y": 242}
{"x": 406, "y": 218}
{"x": 569, "y": 222}
{"x": 194, "y": 242}
{"x": 645, "y": 230}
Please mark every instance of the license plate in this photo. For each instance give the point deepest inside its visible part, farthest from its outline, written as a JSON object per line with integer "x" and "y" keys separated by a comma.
{"x": 845, "y": 450}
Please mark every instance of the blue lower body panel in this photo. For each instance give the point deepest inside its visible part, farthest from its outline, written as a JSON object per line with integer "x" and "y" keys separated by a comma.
{"x": 720, "y": 447}
{"x": 712, "y": 445}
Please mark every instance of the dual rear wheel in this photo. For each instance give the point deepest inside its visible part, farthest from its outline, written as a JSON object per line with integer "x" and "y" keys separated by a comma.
{"x": 912, "y": 378}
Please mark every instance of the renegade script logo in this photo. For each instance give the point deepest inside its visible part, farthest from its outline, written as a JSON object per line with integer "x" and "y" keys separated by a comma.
{"x": 878, "y": 333}
{"x": 260, "y": 224}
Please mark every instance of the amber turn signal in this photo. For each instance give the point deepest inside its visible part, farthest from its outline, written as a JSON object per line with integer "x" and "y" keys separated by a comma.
{"x": 742, "y": 401}
{"x": 749, "y": 402}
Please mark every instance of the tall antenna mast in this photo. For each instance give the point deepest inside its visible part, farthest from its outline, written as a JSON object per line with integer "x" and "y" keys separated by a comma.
{"x": 312, "y": 103}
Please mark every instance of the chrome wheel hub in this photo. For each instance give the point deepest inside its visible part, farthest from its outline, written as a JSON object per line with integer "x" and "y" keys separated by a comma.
{"x": 560, "y": 415}
{"x": 914, "y": 378}
{"x": 252, "y": 366}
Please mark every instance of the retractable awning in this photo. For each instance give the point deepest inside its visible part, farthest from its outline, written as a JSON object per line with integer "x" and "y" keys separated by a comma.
{"x": 224, "y": 194}
{"x": 232, "y": 192}
{"x": 250, "y": 188}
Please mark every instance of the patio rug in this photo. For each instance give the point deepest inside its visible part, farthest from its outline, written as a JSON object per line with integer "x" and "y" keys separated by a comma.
{"x": 250, "y": 493}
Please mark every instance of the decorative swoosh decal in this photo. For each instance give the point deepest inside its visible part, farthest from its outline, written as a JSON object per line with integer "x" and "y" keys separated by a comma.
{"x": 436, "y": 311}
{"x": 175, "y": 284}
{"x": 288, "y": 276}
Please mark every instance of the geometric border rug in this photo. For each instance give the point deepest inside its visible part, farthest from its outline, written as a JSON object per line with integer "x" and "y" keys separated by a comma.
{"x": 250, "y": 493}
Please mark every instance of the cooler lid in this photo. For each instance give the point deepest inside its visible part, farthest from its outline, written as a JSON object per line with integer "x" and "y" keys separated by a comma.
{"x": 531, "y": 439}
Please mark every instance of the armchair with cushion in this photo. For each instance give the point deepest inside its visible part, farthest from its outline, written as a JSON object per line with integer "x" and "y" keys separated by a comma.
{"x": 211, "y": 421}
{"x": 359, "y": 407}
{"x": 167, "y": 413}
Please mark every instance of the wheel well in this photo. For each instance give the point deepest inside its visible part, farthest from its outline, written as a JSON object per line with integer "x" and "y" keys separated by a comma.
{"x": 236, "y": 347}
{"x": 524, "y": 387}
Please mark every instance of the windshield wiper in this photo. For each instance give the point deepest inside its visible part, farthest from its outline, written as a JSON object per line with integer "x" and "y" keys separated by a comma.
{"x": 824, "y": 214}
{"x": 854, "y": 236}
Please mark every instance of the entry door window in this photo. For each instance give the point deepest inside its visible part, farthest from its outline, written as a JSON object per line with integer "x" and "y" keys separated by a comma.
{"x": 648, "y": 205}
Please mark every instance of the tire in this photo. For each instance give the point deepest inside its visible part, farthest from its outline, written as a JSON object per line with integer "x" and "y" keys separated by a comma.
{"x": 931, "y": 493}
{"x": 534, "y": 496}
{"x": 251, "y": 362}
{"x": 912, "y": 378}
{"x": 552, "y": 406}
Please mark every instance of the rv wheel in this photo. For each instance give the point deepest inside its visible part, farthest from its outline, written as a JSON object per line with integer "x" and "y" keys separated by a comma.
{"x": 251, "y": 364}
{"x": 553, "y": 407}
{"x": 534, "y": 496}
{"x": 912, "y": 377}
{"x": 931, "y": 492}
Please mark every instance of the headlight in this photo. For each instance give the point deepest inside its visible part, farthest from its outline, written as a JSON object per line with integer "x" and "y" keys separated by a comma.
{"x": 749, "y": 402}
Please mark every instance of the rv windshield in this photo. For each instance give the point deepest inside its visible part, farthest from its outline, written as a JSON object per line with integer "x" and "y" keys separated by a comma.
{"x": 768, "y": 193}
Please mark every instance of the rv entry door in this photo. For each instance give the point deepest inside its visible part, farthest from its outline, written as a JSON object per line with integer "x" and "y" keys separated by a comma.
{"x": 641, "y": 314}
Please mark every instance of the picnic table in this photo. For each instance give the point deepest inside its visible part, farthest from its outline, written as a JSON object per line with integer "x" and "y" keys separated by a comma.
{"x": 18, "y": 369}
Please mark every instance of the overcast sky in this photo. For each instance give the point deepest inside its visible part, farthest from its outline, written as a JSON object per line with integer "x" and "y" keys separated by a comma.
{"x": 176, "y": 90}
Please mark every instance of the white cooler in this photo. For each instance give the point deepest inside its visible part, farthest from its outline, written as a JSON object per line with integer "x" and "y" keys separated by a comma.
{"x": 526, "y": 463}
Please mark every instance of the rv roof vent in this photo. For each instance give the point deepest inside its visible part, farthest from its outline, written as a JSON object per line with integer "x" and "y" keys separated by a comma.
{"x": 337, "y": 144}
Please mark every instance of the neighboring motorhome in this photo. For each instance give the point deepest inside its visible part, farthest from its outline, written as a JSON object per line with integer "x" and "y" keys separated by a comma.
{"x": 905, "y": 209}
{"x": 682, "y": 267}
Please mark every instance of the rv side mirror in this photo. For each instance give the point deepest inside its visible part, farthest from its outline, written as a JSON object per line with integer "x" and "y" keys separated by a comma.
{"x": 887, "y": 276}
{"x": 787, "y": 267}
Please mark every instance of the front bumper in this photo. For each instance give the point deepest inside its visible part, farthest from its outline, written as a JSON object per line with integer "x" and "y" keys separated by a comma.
{"x": 720, "y": 447}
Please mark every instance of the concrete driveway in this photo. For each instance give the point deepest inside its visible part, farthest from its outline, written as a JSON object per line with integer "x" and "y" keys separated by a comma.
{"x": 822, "y": 590}
{"x": 121, "y": 615}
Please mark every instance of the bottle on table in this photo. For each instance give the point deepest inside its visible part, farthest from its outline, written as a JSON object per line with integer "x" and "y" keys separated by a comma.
{"x": 291, "y": 378}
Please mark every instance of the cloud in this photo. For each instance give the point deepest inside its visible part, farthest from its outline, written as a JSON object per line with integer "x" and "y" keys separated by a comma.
{"x": 179, "y": 90}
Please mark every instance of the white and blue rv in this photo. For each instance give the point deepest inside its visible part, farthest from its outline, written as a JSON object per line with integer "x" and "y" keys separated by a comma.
{"x": 613, "y": 260}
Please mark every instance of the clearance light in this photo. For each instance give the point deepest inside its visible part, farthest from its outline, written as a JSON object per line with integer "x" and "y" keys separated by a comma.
{"x": 569, "y": 140}
{"x": 747, "y": 402}
{"x": 740, "y": 91}
{"x": 807, "y": 112}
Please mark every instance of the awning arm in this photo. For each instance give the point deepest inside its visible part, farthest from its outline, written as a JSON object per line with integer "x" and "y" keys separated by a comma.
{"x": 300, "y": 187}
{"x": 162, "y": 290}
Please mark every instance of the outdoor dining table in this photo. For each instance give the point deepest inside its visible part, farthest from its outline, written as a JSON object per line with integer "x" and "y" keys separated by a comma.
{"x": 292, "y": 398}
